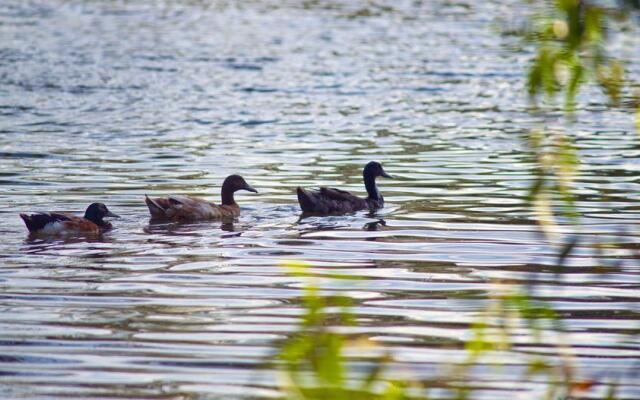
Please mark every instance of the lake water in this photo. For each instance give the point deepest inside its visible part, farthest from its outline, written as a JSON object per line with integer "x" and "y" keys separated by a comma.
{"x": 109, "y": 100}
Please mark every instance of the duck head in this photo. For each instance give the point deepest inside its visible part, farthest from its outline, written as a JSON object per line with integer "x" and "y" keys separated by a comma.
{"x": 232, "y": 184}
{"x": 96, "y": 212}
{"x": 374, "y": 169}
{"x": 371, "y": 171}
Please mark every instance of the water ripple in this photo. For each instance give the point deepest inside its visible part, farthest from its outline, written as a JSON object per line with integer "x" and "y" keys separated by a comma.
{"x": 108, "y": 101}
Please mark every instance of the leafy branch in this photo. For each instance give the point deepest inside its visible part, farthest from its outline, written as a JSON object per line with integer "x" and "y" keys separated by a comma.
{"x": 571, "y": 38}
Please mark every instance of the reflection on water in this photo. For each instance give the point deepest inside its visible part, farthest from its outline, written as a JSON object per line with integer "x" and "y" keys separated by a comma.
{"x": 108, "y": 101}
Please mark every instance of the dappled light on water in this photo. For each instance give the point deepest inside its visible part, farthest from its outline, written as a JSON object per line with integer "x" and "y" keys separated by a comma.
{"x": 109, "y": 101}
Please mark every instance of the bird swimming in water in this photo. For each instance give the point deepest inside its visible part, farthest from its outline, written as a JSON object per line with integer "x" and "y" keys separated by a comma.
{"x": 58, "y": 223}
{"x": 332, "y": 201}
{"x": 187, "y": 208}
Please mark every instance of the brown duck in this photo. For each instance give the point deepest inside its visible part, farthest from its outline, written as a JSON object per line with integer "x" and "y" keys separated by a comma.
{"x": 187, "y": 208}
{"x": 57, "y": 223}
{"x": 332, "y": 201}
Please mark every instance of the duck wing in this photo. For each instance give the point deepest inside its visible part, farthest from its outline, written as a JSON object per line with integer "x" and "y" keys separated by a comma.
{"x": 338, "y": 194}
{"x": 183, "y": 208}
{"x": 187, "y": 201}
{"x": 329, "y": 200}
{"x": 38, "y": 221}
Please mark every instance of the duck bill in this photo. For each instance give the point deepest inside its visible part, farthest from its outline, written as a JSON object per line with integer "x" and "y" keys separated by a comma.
{"x": 386, "y": 175}
{"x": 250, "y": 189}
{"x": 112, "y": 215}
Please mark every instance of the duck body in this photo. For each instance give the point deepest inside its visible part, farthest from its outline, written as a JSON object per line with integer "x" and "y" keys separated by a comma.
{"x": 57, "y": 223}
{"x": 188, "y": 208}
{"x": 334, "y": 201}
{"x": 327, "y": 200}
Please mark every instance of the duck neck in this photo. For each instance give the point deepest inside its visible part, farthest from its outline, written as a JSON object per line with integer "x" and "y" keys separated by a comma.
{"x": 372, "y": 188}
{"x": 227, "y": 195}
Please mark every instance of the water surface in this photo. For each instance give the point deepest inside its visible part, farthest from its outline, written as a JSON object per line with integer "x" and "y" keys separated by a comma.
{"x": 108, "y": 101}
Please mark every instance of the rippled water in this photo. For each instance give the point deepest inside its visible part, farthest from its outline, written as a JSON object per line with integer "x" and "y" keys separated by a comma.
{"x": 107, "y": 101}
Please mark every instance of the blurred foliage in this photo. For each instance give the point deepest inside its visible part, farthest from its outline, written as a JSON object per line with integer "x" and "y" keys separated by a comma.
{"x": 512, "y": 314}
{"x": 317, "y": 361}
{"x": 555, "y": 170}
{"x": 570, "y": 37}
{"x": 313, "y": 362}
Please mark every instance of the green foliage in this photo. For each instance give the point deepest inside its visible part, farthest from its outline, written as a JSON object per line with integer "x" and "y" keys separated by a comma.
{"x": 570, "y": 38}
{"x": 312, "y": 361}
{"x": 508, "y": 311}
{"x": 313, "y": 364}
{"x": 555, "y": 170}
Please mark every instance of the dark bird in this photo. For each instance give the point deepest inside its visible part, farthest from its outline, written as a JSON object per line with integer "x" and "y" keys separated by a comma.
{"x": 330, "y": 200}
{"x": 187, "y": 208}
{"x": 55, "y": 223}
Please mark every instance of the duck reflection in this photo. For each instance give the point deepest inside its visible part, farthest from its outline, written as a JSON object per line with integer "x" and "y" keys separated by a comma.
{"x": 37, "y": 244}
{"x": 374, "y": 225}
{"x": 34, "y": 240}
{"x": 309, "y": 223}
{"x": 172, "y": 228}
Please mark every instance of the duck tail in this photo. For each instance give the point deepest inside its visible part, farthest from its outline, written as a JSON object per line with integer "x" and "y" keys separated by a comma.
{"x": 36, "y": 222}
{"x": 28, "y": 222}
{"x": 305, "y": 199}
{"x": 154, "y": 208}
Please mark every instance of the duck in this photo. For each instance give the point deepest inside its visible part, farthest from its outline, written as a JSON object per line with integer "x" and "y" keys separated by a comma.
{"x": 57, "y": 223}
{"x": 187, "y": 208}
{"x": 331, "y": 201}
